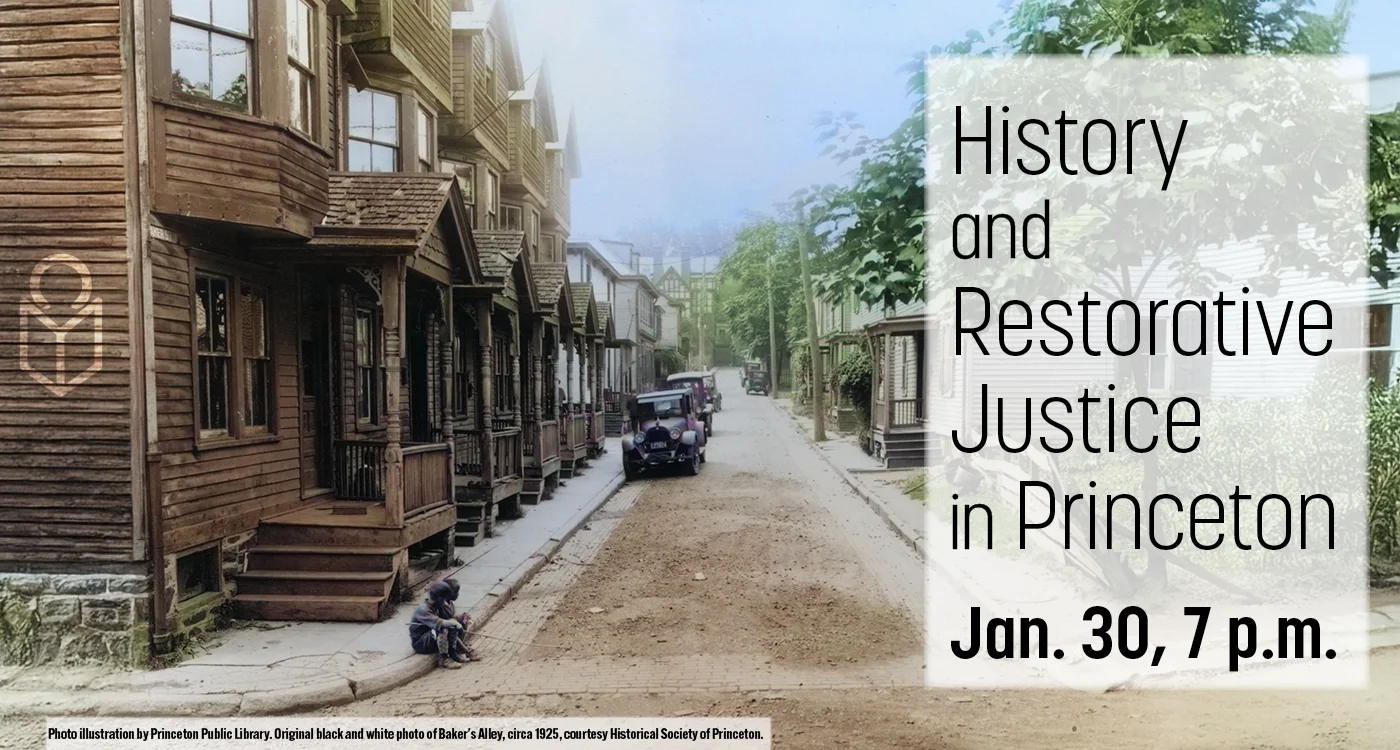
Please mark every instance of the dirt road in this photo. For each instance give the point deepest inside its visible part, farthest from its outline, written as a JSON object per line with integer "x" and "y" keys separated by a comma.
{"x": 764, "y": 587}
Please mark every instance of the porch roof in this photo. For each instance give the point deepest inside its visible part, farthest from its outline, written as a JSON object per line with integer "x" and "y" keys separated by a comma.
{"x": 504, "y": 255}
{"x": 394, "y": 213}
{"x": 915, "y": 323}
{"x": 582, "y": 295}
{"x": 605, "y": 322}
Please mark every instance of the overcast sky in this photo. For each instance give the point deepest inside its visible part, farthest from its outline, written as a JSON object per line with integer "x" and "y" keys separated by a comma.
{"x": 692, "y": 112}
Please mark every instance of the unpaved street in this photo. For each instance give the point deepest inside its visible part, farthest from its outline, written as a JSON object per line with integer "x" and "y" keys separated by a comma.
{"x": 807, "y": 610}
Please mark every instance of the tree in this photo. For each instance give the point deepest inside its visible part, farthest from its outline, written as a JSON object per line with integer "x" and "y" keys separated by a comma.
{"x": 765, "y": 253}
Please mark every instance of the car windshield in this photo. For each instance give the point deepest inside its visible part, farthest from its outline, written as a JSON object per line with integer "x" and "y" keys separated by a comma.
{"x": 661, "y": 407}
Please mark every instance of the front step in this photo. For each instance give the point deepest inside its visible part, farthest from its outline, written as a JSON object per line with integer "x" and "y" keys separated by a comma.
{"x": 321, "y": 558}
{"x": 309, "y": 607}
{"x": 470, "y": 530}
{"x": 276, "y": 532}
{"x": 373, "y": 583}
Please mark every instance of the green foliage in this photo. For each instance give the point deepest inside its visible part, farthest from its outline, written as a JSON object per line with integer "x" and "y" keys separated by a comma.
{"x": 802, "y": 376}
{"x": 855, "y": 374}
{"x": 669, "y": 361}
{"x": 765, "y": 252}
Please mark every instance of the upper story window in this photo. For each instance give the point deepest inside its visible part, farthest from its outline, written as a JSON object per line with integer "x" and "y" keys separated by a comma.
{"x": 374, "y": 132}
{"x": 493, "y": 200}
{"x": 211, "y": 51}
{"x": 301, "y": 81}
{"x": 510, "y": 219}
{"x": 532, "y": 233}
{"x": 488, "y": 48}
{"x": 466, "y": 179}
{"x": 426, "y": 158}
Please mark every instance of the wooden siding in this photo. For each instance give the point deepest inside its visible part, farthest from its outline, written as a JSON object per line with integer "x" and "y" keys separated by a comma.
{"x": 557, "y": 212}
{"x": 237, "y": 170}
{"x": 212, "y": 491}
{"x": 424, "y": 28}
{"x": 65, "y": 462}
{"x": 489, "y": 94}
{"x": 527, "y": 157}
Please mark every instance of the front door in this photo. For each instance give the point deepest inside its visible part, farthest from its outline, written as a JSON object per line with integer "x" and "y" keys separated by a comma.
{"x": 315, "y": 383}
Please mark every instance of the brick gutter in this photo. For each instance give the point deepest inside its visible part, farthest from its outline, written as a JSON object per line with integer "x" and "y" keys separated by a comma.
{"x": 304, "y": 697}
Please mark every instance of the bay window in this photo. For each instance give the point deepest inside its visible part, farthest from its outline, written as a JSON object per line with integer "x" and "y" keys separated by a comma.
{"x": 211, "y": 51}
{"x": 373, "y": 144}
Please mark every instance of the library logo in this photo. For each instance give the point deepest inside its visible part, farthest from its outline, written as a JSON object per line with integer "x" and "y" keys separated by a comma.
{"x": 60, "y": 342}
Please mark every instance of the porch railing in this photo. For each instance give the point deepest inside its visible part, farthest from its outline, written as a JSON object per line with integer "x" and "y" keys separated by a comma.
{"x": 906, "y": 412}
{"x": 503, "y": 422}
{"x": 595, "y": 427}
{"x": 549, "y": 440}
{"x": 469, "y": 458}
{"x": 878, "y": 415}
{"x": 530, "y": 444}
{"x": 578, "y": 432}
{"x": 427, "y": 476}
{"x": 359, "y": 469}
{"x": 505, "y": 448}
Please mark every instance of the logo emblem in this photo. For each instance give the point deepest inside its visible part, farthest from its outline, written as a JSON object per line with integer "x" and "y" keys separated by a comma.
{"x": 47, "y": 356}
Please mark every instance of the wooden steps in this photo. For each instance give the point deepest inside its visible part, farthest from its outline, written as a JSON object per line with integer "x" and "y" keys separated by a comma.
{"x": 313, "y": 607}
{"x": 374, "y": 583}
{"x": 320, "y": 557}
{"x": 471, "y": 526}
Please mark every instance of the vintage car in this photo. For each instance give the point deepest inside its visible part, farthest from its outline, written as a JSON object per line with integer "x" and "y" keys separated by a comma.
{"x": 699, "y": 383}
{"x": 665, "y": 430}
{"x": 757, "y": 382}
{"x": 750, "y": 367}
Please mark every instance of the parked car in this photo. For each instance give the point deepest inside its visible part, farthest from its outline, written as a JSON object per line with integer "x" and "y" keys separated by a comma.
{"x": 750, "y": 367}
{"x": 698, "y": 382}
{"x": 666, "y": 430}
{"x": 757, "y": 382}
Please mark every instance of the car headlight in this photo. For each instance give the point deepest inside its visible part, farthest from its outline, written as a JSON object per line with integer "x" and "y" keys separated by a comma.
{"x": 639, "y": 438}
{"x": 675, "y": 434}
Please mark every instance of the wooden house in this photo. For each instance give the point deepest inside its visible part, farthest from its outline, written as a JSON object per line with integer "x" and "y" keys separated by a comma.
{"x": 542, "y": 442}
{"x": 578, "y": 381}
{"x": 491, "y": 453}
{"x": 236, "y": 222}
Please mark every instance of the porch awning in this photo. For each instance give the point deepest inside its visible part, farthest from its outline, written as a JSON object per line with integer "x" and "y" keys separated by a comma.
{"x": 901, "y": 324}
{"x": 380, "y": 214}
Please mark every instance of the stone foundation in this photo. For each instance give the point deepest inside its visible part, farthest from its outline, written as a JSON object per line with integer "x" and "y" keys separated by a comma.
{"x": 74, "y": 619}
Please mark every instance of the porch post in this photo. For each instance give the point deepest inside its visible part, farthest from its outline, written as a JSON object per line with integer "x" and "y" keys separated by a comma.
{"x": 569, "y": 370}
{"x": 537, "y": 371}
{"x": 393, "y": 298}
{"x": 488, "y": 404}
{"x": 516, "y": 386}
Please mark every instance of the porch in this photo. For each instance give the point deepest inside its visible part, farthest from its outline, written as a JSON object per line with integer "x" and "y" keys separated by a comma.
{"x": 899, "y": 415}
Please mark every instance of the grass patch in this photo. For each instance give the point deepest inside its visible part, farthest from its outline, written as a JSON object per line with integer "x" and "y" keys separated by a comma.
{"x": 916, "y": 487}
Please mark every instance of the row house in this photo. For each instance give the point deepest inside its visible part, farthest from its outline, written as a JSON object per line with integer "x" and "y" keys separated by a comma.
{"x": 588, "y": 266}
{"x": 260, "y": 351}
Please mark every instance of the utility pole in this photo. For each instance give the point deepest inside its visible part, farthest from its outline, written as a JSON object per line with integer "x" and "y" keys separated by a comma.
{"x": 818, "y": 410}
{"x": 772, "y": 335}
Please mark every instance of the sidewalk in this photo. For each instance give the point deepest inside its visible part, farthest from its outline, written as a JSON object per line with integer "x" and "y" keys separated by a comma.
{"x": 280, "y": 667}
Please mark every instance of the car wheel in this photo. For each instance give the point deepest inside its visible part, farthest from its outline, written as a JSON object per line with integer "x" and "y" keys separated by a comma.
{"x": 629, "y": 470}
{"x": 693, "y": 467}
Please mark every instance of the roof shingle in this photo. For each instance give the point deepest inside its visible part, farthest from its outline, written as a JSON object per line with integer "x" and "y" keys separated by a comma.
{"x": 582, "y": 294}
{"x": 499, "y": 251}
{"x": 391, "y": 200}
{"x": 549, "y": 282}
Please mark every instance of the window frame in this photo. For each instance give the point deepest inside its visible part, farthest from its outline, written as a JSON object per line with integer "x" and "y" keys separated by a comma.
{"x": 250, "y": 38}
{"x": 493, "y": 200}
{"x": 375, "y": 381}
{"x": 507, "y": 212}
{"x": 396, "y": 147}
{"x": 308, "y": 69}
{"x": 237, "y": 430}
{"x": 424, "y": 125}
{"x": 490, "y": 48}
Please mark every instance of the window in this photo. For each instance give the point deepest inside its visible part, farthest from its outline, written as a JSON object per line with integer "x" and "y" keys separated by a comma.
{"x": 532, "y": 234}
{"x": 488, "y": 47}
{"x": 211, "y": 51}
{"x": 374, "y": 132}
{"x": 301, "y": 82}
{"x": 466, "y": 179}
{"x": 549, "y": 248}
{"x": 462, "y": 372}
{"x": 212, "y": 346}
{"x": 511, "y": 218}
{"x": 367, "y": 378}
{"x": 493, "y": 200}
{"x": 503, "y": 398}
{"x": 257, "y": 360}
{"x": 425, "y": 141}
{"x": 197, "y": 573}
{"x": 234, "y": 394}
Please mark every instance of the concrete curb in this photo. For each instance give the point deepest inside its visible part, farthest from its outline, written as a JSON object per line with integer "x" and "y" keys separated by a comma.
{"x": 338, "y": 691}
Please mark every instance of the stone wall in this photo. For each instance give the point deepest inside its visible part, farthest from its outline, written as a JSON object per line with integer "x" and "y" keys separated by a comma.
{"x": 74, "y": 619}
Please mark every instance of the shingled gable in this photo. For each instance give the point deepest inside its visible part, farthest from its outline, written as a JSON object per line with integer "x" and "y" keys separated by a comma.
{"x": 392, "y": 213}
{"x": 553, "y": 281}
{"x": 504, "y": 252}
{"x": 585, "y": 309}
{"x": 605, "y": 322}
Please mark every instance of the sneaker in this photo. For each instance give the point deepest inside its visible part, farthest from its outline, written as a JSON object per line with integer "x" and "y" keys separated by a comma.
{"x": 446, "y": 663}
{"x": 462, "y": 658}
